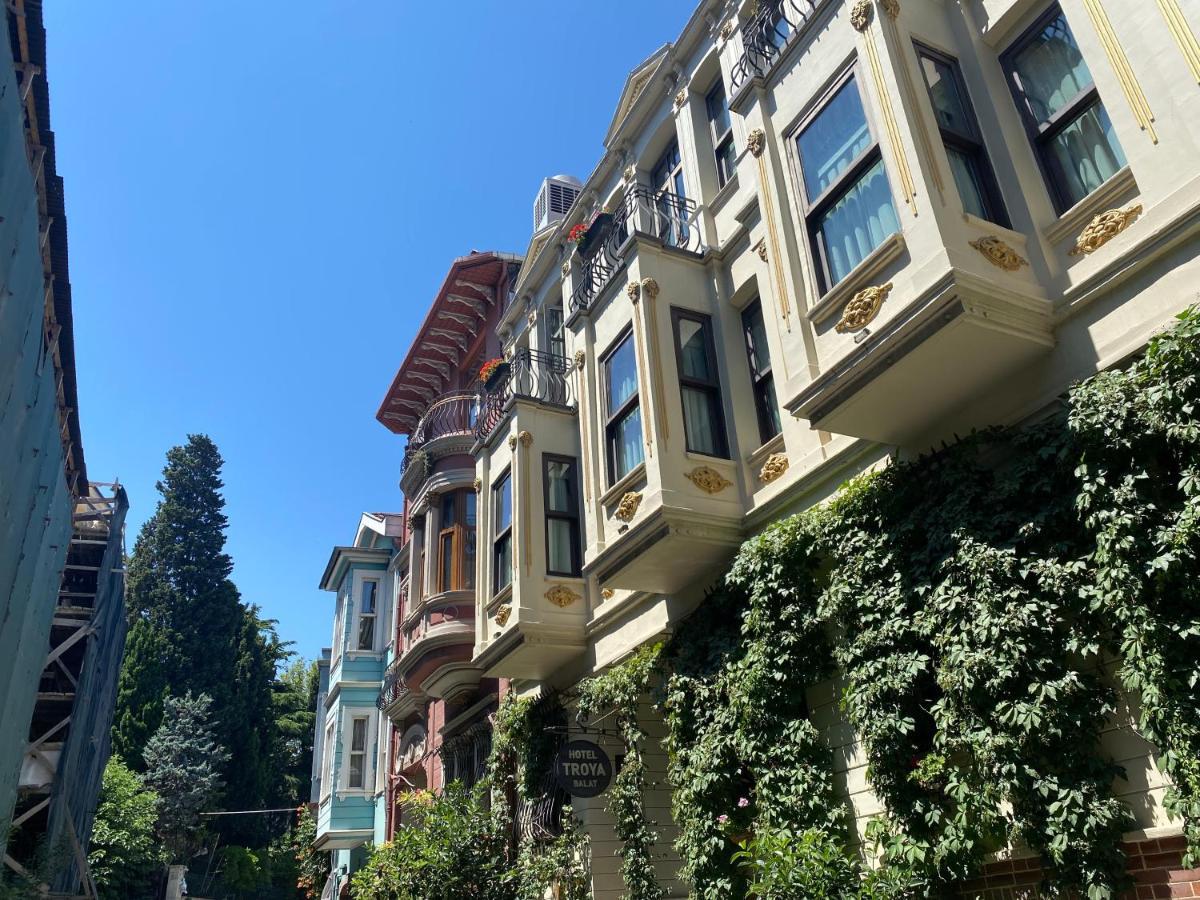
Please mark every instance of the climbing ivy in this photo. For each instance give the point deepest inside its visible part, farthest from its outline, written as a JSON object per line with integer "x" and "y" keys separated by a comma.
{"x": 620, "y": 690}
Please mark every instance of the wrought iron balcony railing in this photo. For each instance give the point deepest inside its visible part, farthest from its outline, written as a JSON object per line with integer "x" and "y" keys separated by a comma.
{"x": 767, "y": 34}
{"x": 662, "y": 214}
{"x": 452, "y": 415}
{"x": 392, "y": 688}
{"x": 533, "y": 375}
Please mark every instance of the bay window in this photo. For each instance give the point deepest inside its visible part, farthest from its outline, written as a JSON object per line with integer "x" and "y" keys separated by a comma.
{"x": 561, "y": 489}
{"x": 849, "y": 205}
{"x": 367, "y": 612}
{"x": 762, "y": 381}
{"x": 623, "y": 427}
{"x": 456, "y": 541}
{"x": 357, "y": 757}
{"x": 1061, "y": 108}
{"x": 699, "y": 386}
{"x": 502, "y": 528}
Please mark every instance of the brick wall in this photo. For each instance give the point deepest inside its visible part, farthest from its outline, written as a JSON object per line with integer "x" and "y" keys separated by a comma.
{"x": 1154, "y": 865}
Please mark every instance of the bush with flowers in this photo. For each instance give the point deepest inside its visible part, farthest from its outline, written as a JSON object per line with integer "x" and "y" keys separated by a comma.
{"x": 577, "y": 234}
{"x": 489, "y": 368}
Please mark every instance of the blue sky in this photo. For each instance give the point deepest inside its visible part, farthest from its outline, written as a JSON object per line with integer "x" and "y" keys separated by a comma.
{"x": 262, "y": 198}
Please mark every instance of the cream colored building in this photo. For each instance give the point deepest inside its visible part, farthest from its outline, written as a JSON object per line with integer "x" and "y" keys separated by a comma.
{"x": 832, "y": 231}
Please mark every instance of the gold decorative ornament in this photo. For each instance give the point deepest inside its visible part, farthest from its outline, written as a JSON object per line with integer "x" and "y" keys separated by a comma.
{"x": 650, "y": 286}
{"x": 580, "y": 356}
{"x": 891, "y": 7}
{"x": 502, "y": 615}
{"x": 761, "y": 249}
{"x": 862, "y": 308}
{"x": 756, "y": 141}
{"x": 681, "y": 98}
{"x": 999, "y": 254}
{"x": 562, "y": 596}
{"x": 1104, "y": 228}
{"x": 634, "y": 290}
{"x": 512, "y": 442}
{"x": 862, "y": 14}
{"x": 525, "y": 438}
{"x": 708, "y": 479}
{"x": 727, "y": 29}
{"x": 607, "y": 593}
{"x": 628, "y": 506}
{"x": 477, "y": 485}
{"x": 631, "y": 173}
{"x": 531, "y": 318}
{"x": 776, "y": 465}
{"x": 566, "y": 268}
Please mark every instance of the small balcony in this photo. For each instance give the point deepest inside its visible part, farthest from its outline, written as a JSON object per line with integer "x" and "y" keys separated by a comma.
{"x": 660, "y": 215}
{"x": 448, "y": 422}
{"x": 532, "y": 375}
{"x": 393, "y": 691}
{"x": 774, "y": 26}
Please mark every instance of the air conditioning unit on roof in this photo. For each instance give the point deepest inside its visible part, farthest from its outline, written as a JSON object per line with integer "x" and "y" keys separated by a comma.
{"x": 555, "y": 199}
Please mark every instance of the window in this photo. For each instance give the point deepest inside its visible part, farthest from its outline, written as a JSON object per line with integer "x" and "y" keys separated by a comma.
{"x": 1064, "y": 118}
{"x": 366, "y": 614}
{"x": 670, "y": 192}
{"x": 699, "y": 387}
{"x": 456, "y": 541}
{"x": 849, "y": 208}
{"x": 762, "y": 381}
{"x": 327, "y": 761}
{"x": 720, "y": 128}
{"x": 502, "y": 521}
{"x": 561, "y": 480}
{"x": 960, "y": 134}
{"x": 623, "y": 429}
{"x": 339, "y": 619}
{"x": 358, "y": 752}
{"x": 555, "y": 338}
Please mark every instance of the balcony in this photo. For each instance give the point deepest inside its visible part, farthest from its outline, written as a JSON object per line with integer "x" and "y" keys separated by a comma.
{"x": 661, "y": 215}
{"x": 532, "y": 375}
{"x": 767, "y": 34}
{"x": 448, "y": 421}
{"x": 393, "y": 691}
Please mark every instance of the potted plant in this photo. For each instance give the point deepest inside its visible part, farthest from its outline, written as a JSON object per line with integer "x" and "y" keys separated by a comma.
{"x": 593, "y": 235}
{"x": 492, "y": 372}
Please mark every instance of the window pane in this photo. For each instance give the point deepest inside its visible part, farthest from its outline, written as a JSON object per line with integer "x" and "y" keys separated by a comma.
{"x": 447, "y": 562}
{"x": 559, "y": 541}
{"x": 726, "y": 161}
{"x": 966, "y": 176}
{"x": 559, "y": 489}
{"x": 469, "y": 537}
{"x": 858, "y": 222}
{"x": 700, "y": 421}
{"x": 503, "y": 561}
{"x": 834, "y": 139}
{"x": 554, "y": 330}
{"x": 693, "y": 350}
{"x": 502, "y": 494}
{"x": 1087, "y": 153}
{"x": 756, "y": 341}
{"x": 356, "y": 769}
{"x": 366, "y": 633}
{"x": 768, "y": 409}
{"x": 1050, "y": 69}
{"x": 718, "y": 111}
{"x": 469, "y": 508}
{"x": 448, "y": 509}
{"x": 948, "y": 103}
{"x": 358, "y": 737}
{"x": 628, "y": 443}
{"x": 622, "y": 375}
{"x": 368, "y": 597}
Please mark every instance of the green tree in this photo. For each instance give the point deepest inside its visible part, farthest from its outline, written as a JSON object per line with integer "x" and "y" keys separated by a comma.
{"x": 295, "y": 719}
{"x": 183, "y": 767}
{"x": 124, "y": 852}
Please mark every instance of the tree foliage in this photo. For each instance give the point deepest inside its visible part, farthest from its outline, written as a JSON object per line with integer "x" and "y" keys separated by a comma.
{"x": 124, "y": 854}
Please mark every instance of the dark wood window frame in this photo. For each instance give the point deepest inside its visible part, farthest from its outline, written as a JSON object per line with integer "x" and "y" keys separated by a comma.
{"x": 710, "y": 388}
{"x": 458, "y": 532}
{"x": 571, "y": 515}
{"x": 969, "y": 143}
{"x": 503, "y": 482}
{"x": 762, "y": 381}
{"x": 722, "y": 144}
{"x": 613, "y": 418}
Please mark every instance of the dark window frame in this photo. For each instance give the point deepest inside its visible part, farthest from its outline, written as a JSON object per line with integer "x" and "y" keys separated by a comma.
{"x": 613, "y": 418}
{"x": 762, "y": 381}
{"x": 556, "y": 339}
{"x": 505, "y": 481}
{"x": 724, "y": 151}
{"x": 459, "y": 532}
{"x": 1042, "y": 134}
{"x": 572, "y": 515}
{"x": 373, "y": 616}
{"x": 813, "y": 208}
{"x": 669, "y": 178}
{"x": 969, "y": 143}
{"x": 712, "y": 389}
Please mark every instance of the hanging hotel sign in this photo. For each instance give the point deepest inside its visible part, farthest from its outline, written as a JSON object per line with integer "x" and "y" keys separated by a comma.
{"x": 582, "y": 769}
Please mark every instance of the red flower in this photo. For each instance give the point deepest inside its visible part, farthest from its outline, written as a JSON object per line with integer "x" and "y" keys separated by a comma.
{"x": 577, "y": 234}
{"x": 489, "y": 367}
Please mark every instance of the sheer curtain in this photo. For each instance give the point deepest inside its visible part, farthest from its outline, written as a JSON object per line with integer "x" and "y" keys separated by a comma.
{"x": 859, "y": 222}
{"x": 698, "y": 417}
{"x": 1087, "y": 152}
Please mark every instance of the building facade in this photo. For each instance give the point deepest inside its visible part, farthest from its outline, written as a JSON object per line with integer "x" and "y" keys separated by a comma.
{"x": 822, "y": 234}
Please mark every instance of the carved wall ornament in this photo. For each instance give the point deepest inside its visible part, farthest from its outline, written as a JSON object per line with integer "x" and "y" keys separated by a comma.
{"x": 477, "y": 485}
{"x": 531, "y": 318}
{"x": 502, "y": 615}
{"x": 708, "y": 479}
{"x": 1104, "y": 228}
{"x": 607, "y": 593}
{"x": 761, "y": 249}
{"x": 525, "y": 438}
{"x": 580, "y": 356}
{"x": 999, "y": 254}
{"x": 628, "y": 506}
{"x": 631, "y": 173}
{"x": 566, "y": 268}
{"x": 681, "y": 98}
{"x": 650, "y": 286}
{"x": 727, "y": 29}
{"x": 755, "y": 142}
{"x": 562, "y": 596}
{"x": 862, "y": 307}
{"x": 512, "y": 442}
{"x": 862, "y": 14}
{"x": 634, "y": 290}
{"x": 776, "y": 465}
{"x": 891, "y": 7}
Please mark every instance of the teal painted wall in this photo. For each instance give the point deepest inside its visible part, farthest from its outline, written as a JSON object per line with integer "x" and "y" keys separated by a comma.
{"x": 35, "y": 504}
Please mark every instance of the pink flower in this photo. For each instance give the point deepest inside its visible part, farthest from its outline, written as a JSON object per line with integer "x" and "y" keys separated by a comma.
{"x": 722, "y": 819}
{"x": 743, "y": 802}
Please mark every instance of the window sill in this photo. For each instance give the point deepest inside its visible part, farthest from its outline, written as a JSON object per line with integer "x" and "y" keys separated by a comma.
{"x": 1070, "y": 223}
{"x": 725, "y": 194}
{"x": 617, "y": 491}
{"x": 706, "y": 459}
{"x": 499, "y": 598}
{"x": 364, "y": 654}
{"x": 1017, "y": 238}
{"x": 858, "y": 277}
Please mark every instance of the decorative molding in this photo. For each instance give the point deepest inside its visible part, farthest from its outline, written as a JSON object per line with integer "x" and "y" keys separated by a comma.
{"x": 761, "y": 249}
{"x": 562, "y": 596}
{"x": 727, "y": 29}
{"x": 634, "y": 290}
{"x": 608, "y": 593}
{"x": 776, "y": 465}
{"x": 1104, "y": 228}
{"x": 883, "y": 92}
{"x": 891, "y": 7}
{"x": 502, "y": 614}
{"x": 580, "y": 356}
{"x": 512, "y": 442}
{"x": 1183, "y": 34}
{"x": 999, "y": 254}
{"x": 1120, "y": 63}
{"x": 631, "y": 173}
{"x": 477, "y": 485}
{"x": 650, "y": 286}
{"x": 756, "y": 141}
{"x": 566, "y": 268}
{"x": 628, "y": 506}
{"x": 525, "y": 438}
{"x": 681, "y": 99}
{"x": 862, "y": 308}
{"x": 861, "y": 15}
{"x": 708, "y": 479}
